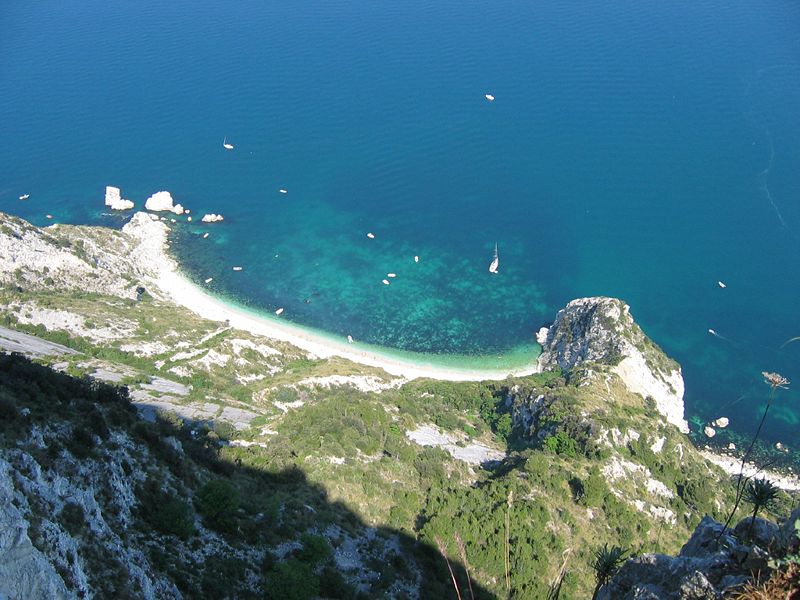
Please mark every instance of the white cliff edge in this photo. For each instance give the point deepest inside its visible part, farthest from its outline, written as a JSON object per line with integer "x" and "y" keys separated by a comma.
{"x": 602, "y": 330}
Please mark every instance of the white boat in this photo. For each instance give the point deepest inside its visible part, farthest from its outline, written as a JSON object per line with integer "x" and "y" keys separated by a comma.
{"x": 371, "y": 235}
{"x": 349, "y": 339}
{"x": 490, "y": 98}
{"x": 237, "y": 268}
{"x": 283, "y": 191}
{"x": 416, "y": 259}
{"x": 226, "y": 144}
{"x": 209, "y": 280}
{"x": 279, "y": 311}
{"x": 493, "y": 266}
{"x": 24, "y": 196}
{"x": 385, "y": 281}
{"x": 391, "y": 274}
{"x": 721, "y": 284}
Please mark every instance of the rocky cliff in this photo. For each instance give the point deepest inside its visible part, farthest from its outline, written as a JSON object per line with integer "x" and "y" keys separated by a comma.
{"x": 601, "y": 331}
{"x": 709, "y": 566}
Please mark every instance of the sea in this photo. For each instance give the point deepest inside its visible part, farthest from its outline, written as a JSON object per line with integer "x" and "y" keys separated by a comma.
{"x": 637, "y": 149}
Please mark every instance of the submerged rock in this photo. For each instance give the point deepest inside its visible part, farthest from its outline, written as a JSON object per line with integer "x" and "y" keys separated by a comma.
{"x": 602, "y": 330}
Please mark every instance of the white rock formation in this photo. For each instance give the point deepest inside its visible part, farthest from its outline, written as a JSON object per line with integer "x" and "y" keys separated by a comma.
{"x": 709, "y": 431}
{"x": 212, "y": 218}
{"x": 161, "y": 201}
{"x": 115, "y": 200}
{"x": 602, "y": 330}
{"x": 722, "y": 422}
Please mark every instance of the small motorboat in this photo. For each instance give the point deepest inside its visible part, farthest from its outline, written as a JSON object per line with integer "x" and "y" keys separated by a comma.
{"x": 226, "y": 144}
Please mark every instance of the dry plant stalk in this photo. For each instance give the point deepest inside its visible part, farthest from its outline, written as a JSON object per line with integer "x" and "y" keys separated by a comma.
{"x": 449, "y": 568}
{"x": 509, "y": 504}
{"x": 462, "y": 551}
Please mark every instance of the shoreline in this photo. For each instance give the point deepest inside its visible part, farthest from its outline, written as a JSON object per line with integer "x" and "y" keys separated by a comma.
{"x": 174, "y": 284}
{"x": 731, "y": 465}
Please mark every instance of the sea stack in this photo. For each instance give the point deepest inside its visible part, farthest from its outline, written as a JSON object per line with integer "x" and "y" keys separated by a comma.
{"x": 212, "y": 218}
{"x": 115, "y": 201}
{"x": 161, "y": 201}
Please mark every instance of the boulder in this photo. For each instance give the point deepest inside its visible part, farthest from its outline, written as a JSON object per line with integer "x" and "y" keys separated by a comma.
{"x": 764, "y": 534}
{"x": 789, "y": 535}
{"x": 601, "y": 330}
{"x": 115, "y": 201}
{"x": 212, "y": 218}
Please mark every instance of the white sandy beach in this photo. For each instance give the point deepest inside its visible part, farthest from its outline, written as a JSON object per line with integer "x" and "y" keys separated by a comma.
{"x": 183, "y": 292}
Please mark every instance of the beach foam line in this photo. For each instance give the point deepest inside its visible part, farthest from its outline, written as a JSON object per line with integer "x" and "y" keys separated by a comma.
{"x": 185, "y": 293}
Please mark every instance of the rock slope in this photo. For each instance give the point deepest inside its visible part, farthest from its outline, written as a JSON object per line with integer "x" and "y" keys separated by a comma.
{"x": 602, "y": 330}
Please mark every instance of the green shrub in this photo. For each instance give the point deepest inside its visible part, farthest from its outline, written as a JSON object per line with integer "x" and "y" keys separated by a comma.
{"x": 218, "y": 501}
{"x": 174, "y": 517}
{"x": 561, "y": 443}
{"x": 594, "y": 489}
{"x": 333, "y": 585}
{"x": 292, "y": 580}
{"x": 73, "y": 518}
{"x": 315, "y": 550}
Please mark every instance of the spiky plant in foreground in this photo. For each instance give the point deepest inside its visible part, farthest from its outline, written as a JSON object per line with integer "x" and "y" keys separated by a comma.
{"x": 605, "y": 564}
{"x": 761, "y": 493}
{"x": 774, "y": 381}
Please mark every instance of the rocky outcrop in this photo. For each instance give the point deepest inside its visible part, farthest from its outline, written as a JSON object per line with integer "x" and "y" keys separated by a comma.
{"x": 162, "y": 201}
{"x": 212, "y": 218}
{"x": 601, "y": 330}
{"x": 115, "y": 201}
{"x": 703, "y": 569}
{"x": 86, "y": 259}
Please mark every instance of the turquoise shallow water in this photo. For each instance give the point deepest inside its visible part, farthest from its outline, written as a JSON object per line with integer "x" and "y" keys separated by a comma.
{"x": 634, "y": 150}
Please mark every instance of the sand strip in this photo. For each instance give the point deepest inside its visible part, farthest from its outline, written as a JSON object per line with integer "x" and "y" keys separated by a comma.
{"x": 183, "y": 292}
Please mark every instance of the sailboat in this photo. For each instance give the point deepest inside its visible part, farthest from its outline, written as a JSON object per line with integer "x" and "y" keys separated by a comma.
{"x": 495, "y": 261}
{"x": 225, "y": 144}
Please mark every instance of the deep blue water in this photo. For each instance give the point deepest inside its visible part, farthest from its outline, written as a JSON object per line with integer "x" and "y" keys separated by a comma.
{"x": 635, "y": 149}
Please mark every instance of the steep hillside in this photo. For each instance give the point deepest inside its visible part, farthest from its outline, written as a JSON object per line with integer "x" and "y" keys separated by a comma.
{"x": 235, "y": 465}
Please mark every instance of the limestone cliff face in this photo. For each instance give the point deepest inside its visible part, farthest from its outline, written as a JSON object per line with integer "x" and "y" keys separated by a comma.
{"x": 601, "y": 330}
